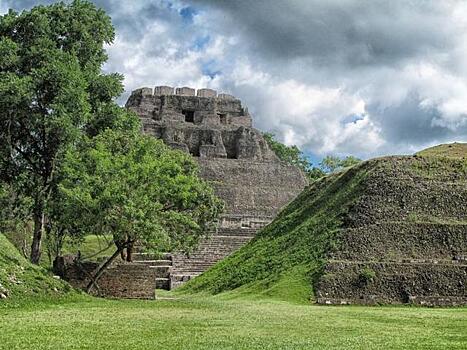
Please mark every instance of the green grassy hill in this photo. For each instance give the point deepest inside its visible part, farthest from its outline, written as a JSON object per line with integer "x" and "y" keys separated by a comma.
{"x": 403, "y": 212}
{"x": 451, "y": 150}
{"x": 289, "y": 254}
{"x": 20, "y": 280}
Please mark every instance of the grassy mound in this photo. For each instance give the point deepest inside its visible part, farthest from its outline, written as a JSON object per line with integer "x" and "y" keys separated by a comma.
{"x": 21, "y": 280}
{"x": 452, "y": 150}
{"x": 287, "y": 255}
{"x": 287, "y": 259}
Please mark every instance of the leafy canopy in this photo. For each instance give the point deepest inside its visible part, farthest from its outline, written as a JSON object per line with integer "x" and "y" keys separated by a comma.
{"x": 135, "y": 188}
{"x": 52, "y": 92}
{"x": 294, "y": 156}
{"x": 331, "y": 164}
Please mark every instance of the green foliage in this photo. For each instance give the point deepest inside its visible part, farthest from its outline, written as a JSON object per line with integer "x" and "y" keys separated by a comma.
{"x": 134, "y": 188}
{"x": 294, "y": 156}
{"x": 366, "y": 276}
{"x": 91, "y": 247}
{"x": 332, "y": 164}
{"x": 292, "y": 247}
{"x": 52, "y": 92}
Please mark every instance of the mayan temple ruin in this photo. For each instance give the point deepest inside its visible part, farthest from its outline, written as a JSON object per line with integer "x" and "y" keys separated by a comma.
{"x": 233, "y": 156}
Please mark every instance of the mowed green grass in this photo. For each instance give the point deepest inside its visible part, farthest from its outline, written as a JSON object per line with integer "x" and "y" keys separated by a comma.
{"x": 215, "y": 323}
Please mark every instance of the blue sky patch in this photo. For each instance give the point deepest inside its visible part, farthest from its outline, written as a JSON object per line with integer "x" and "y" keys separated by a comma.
{"x": 187, "y": 14}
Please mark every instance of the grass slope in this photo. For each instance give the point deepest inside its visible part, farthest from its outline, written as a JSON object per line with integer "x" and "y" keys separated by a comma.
{"x": 285, "y": 257}
{"x": 209, "y": 323}
{"x": 20, "y": 280}
{"x": 452, "y": 150}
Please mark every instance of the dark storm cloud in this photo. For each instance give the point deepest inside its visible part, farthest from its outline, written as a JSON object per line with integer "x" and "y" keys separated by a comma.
{"x": 411, "y": 123}
{"x": 331, "y": 32}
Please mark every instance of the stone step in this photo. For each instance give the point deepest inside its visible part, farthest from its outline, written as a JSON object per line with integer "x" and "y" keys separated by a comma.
{"x": 151, "y": 256}
{"x": 155, "y": 262}
{"x": 178, "y": 279}
{"x": 163, "y": 283}
{"x": 406, "y": 261}
{"x": 234, "y": 232}
{"x": 406, "y": 239}
{"x": 220, "y": 245}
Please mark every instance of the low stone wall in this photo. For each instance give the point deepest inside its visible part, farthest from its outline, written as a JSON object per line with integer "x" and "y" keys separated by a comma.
{"x": 429, "y": 283}
{"x": 120, "y": 280}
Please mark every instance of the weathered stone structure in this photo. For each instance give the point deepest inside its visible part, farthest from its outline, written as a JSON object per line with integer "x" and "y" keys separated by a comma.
{"x": 233, "y": 156}
{"x": 404, "y": 238}
{"x": 246, "y": 174}
{"x": 206, "y": 125}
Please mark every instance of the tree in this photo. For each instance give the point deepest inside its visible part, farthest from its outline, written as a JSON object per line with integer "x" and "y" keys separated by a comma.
{"x": 136, "y": 189}
{"x": 331, "y": 164}
{"x": 350, "y": 161}
{"x": 14, "y": 212}
{"x": 52, "y": 91}
{"x": 294, "y": 156}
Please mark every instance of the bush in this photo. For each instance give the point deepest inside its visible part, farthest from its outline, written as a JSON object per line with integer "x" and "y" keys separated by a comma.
{"x": 366, "y": 276}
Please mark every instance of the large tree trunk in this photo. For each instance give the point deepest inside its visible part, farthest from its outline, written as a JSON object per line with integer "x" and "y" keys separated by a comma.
{"x": 129, "y": 251}
{"x": 102, "y": 268}
{"x": 39, "y": 221}
{"x": 121, "y": 247}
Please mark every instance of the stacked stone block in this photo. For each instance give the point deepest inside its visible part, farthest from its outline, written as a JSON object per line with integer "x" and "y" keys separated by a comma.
{"x": 404, "y": 239}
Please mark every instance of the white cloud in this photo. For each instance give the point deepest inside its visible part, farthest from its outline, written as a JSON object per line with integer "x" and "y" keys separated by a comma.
{"x": 344, "y": 77}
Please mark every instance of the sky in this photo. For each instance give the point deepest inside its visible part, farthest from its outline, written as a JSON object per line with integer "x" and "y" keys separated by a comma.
{"x": 340, "y": 77}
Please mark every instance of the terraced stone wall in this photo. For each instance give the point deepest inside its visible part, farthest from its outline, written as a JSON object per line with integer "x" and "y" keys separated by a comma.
{"x": 404, "y": 240}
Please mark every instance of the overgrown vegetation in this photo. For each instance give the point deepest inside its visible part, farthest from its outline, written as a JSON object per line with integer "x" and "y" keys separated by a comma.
{"x": 284, "y": 259}
{"x": 294, "y": 156}
{"x": 52, "y": 93}
{"x": 72, "y": 161}
{"x": 293, "y": 248}
{"x": 137, "y": 190}
{"x": 366, "y": 276}
{"x": 20, "y": 280}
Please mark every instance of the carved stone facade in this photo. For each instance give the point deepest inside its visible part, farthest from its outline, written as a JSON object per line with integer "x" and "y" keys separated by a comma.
{"x": 207, "y": 125}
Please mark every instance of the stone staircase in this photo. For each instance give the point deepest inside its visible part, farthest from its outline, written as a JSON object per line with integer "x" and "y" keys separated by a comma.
{"x": 172, "y": 270}
{"x": 149, "y": 271}
{"x": 221, "y": 244}
{"x": 162, "y": 266}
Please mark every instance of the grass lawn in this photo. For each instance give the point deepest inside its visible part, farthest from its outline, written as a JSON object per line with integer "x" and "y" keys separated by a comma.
{"x": 217, "y": 323}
